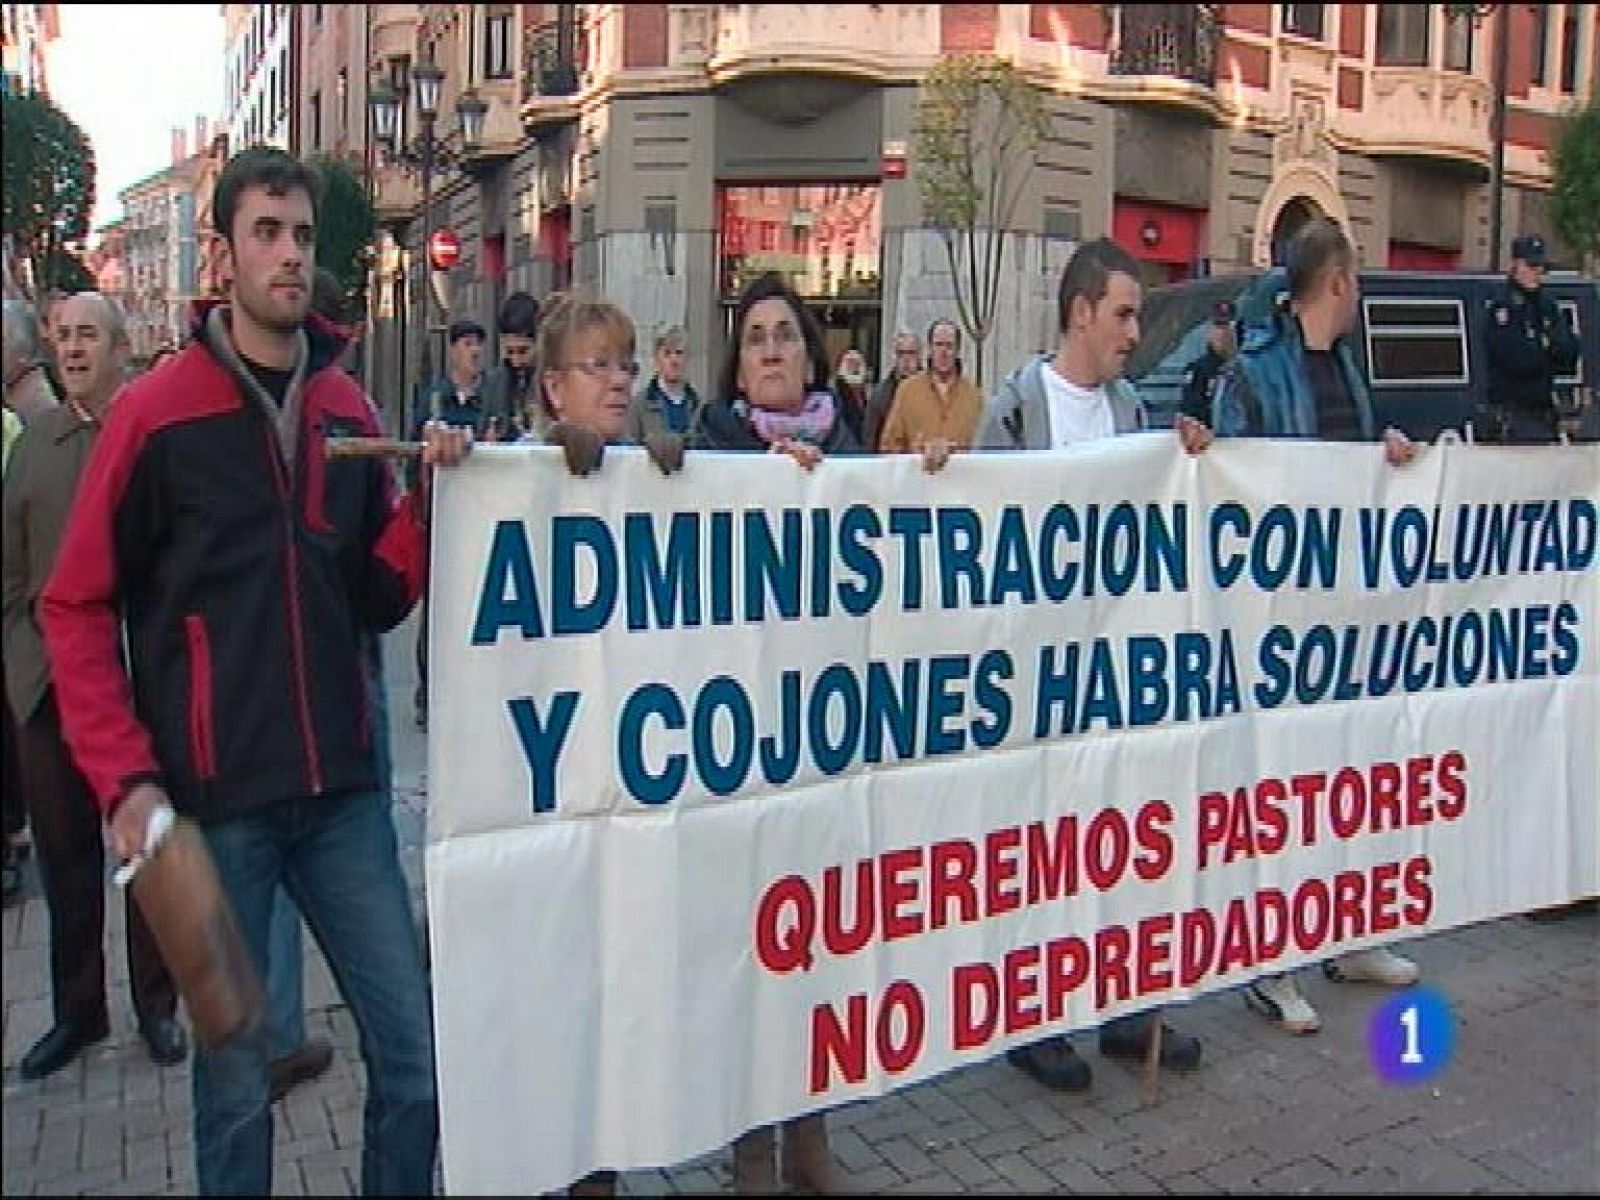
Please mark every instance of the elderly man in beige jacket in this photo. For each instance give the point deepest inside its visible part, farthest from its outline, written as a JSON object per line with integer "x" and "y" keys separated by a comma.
{"x": 41, "y": 480}
{"x": 936, "y": 409}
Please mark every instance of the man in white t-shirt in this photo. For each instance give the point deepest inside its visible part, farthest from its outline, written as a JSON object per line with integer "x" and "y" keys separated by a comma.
{"x": 1078, "y": 395}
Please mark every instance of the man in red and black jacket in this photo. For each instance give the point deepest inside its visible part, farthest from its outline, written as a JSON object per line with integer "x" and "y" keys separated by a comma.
{"x": 246, "y": 567}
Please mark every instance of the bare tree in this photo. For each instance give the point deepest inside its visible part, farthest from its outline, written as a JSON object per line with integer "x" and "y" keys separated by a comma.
{"x": 978, "y": 125}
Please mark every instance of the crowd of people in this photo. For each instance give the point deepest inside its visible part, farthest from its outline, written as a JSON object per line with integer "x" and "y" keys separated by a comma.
{"x": 194, "y": 592}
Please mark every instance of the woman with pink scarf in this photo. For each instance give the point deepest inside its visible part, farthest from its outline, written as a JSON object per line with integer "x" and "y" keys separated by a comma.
{"x": 773, "y": 393}
{"x": 773, "y": 397}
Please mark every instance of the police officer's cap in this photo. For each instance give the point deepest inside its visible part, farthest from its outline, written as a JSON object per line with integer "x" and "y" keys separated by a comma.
{"x": 1530, "y": 249}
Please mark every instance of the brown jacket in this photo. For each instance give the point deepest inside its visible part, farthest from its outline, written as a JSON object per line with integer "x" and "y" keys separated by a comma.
{"x": 920, "y": 413}
{"x": 41, "y": 480}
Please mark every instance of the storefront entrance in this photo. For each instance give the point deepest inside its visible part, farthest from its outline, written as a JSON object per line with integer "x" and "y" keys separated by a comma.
{"x": 824, "y": 238}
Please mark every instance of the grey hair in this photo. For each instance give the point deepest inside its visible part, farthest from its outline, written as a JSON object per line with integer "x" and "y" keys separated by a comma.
{"x": 111, "y": 316}
{"x": 21, "y": 332}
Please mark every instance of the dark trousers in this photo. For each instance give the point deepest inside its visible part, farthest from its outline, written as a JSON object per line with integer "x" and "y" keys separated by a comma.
{"x": 16, "y": 815}
{"x": 67, "y": 838}
{"x": 422, "y": 648}
{"x": 1510, "y": 425}
{"x": 422, "y": 620}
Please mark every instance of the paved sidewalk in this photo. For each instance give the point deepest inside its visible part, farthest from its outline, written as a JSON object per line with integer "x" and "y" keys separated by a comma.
{"x": 1518, "y": 1110}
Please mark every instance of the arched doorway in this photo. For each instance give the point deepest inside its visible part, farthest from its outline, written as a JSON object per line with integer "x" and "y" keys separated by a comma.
{"x": 1309, "y": 191}
{"x": 1293, "y": 217}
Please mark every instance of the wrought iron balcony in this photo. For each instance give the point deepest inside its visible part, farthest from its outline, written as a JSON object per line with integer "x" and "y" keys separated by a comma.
{"x": 551, "y": 57}
{"x": 1175, "y": 40}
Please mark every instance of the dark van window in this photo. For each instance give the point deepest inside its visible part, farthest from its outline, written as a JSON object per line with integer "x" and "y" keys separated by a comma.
{"x": 1416, "y": 341}
{"x": 1569, "y": 309}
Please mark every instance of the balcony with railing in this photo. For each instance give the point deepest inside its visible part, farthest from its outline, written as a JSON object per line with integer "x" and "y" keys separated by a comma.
{"x": 1424, "y": 113}
{"x": 551, "y": 58}
{"x": 1168, "y": 41}
{"x": 874, "y": 41}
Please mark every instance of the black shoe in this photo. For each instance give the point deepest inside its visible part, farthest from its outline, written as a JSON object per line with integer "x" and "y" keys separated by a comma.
{"x": 1179, "y": 1051}
{"x": 1054, "y": 1063}
{"x": 304, "y": 1065}
{"x": 60, "y": 1046}
{"x": 1562, "y": 912}
{"x": 166, "y": 1041}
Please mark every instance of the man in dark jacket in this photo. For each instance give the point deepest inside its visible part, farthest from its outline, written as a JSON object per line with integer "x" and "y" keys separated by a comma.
{"x": 1296, "y": 376}
{"x": 1200, "y": 377}
{"x": 92, "y": 342}
{"x": 244, "y": 565}
{"x": 1530, "y": 342}
{"x": 511, "y": 395}
{"x": 907, "y": 362}
{"x": 457, "y": 398}
{"x": 669, "y": 403}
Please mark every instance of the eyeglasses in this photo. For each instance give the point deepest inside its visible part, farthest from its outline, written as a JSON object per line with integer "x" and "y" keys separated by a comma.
{"x": 782, "y": 335}
{"x": 599, "y": 367}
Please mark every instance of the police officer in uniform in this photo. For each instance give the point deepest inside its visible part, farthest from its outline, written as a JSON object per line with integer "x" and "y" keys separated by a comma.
{"x": 1530, "y": 342}
{"x": 1200, "y": 378}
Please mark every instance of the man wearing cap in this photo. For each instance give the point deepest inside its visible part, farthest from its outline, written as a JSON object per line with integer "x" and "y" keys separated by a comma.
{"x": 457, "y": 400}
{"x": 457, "y": 397}
{"x": 1530, "y": 342}
{"x": 1200, "y": 379}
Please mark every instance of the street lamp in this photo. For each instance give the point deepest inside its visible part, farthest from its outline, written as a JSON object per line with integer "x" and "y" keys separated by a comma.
{"x": 424, "y": 155}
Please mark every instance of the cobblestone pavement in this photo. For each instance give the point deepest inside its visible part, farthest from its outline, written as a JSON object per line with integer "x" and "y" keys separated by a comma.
{"x": 1517, "y": 1111}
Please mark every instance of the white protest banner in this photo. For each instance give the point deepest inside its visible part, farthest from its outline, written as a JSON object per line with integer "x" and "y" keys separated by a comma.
{"x": 755, "y": 791}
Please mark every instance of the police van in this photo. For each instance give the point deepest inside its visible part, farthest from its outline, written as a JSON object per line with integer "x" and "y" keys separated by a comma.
{"x": 1420, "y": 338}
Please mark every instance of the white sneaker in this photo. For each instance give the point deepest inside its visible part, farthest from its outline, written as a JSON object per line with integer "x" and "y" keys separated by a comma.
{"x": 1378, "y": 965}
{"x": 1278, "y": 999}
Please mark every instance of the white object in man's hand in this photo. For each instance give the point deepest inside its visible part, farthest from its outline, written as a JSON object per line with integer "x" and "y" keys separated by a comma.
{"x": 142, "y": 819}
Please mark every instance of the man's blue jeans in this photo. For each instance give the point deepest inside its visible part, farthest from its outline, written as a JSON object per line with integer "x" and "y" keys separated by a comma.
{"x": 338, "y": 858}
{"x": 286, "y": 1001}
{"x": 286, "y": 995}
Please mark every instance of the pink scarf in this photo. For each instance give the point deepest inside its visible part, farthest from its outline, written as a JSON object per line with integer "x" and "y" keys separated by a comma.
{"x": 811, "y": 423}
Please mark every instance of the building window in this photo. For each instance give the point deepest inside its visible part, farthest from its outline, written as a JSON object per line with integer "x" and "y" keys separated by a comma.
{"x": 1569, "y": 308}
{"x": 1303, "y": 20}
{"x": 1416, "y": 342}
{"x": 316, "y": 121}
{"x": 1541, "y": 42}
{"x": 1403, "y": 35}
{"x": 497, "y": 45}
{"x": 1458, "y": 41}
{"x": 815, "y": 226}
{"x": 1569, "y": 50}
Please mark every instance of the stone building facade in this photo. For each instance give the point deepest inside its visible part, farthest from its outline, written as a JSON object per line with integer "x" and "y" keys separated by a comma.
{"x": 658, "y": 154}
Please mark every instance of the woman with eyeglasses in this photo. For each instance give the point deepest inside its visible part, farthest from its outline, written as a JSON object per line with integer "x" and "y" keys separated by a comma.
{"x": 586, "y": 378}
{"x": 773, "y": 397}
{"x": 586, "y": 375}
